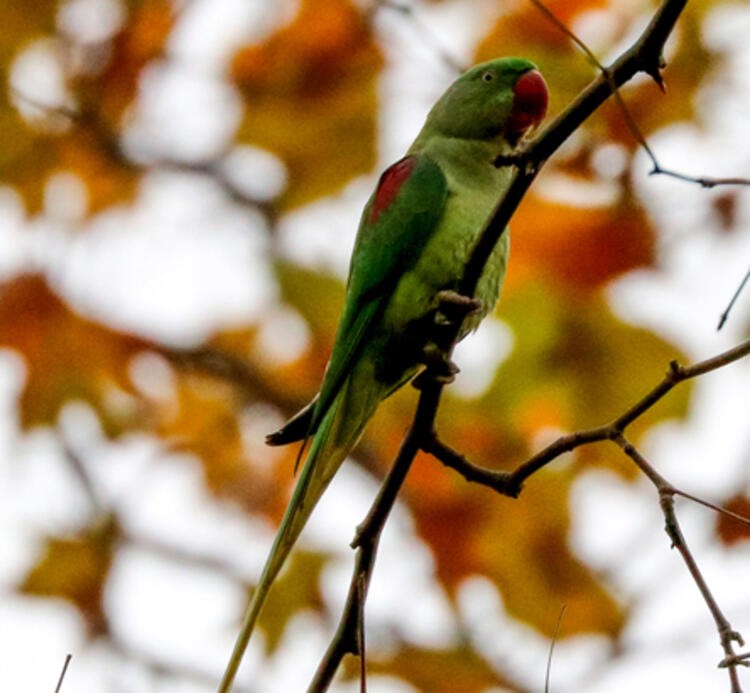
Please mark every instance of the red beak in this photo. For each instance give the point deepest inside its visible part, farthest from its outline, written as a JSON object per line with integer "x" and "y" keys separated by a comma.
{"x": 530, "y": 99}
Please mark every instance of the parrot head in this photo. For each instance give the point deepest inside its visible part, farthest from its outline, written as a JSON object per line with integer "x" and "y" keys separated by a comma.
{"x": 502, "y": 98}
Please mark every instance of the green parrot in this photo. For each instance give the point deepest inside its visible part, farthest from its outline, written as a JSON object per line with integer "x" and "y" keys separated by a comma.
{"x": 414, "y": 239}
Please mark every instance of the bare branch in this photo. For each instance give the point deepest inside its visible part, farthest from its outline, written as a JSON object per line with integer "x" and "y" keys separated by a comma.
{"x": 675, "y": 375}
{"x": 368, "y": 534}
{"x": 443, "y": 54}
{"x": 656, "y": 167}
{"x": 510, "y": 483}
{"x": 725, "y": 315}
{"x": 727, "y": 635}
{"x": 58, "y": 688}
{"x": 552, "y": 648}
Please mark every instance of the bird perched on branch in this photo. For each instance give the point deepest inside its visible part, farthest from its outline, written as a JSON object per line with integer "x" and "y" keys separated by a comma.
{"x": 415, "y": 237}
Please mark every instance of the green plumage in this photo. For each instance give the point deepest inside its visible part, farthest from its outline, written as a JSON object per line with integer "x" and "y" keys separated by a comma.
{"x": 415, "y": 236}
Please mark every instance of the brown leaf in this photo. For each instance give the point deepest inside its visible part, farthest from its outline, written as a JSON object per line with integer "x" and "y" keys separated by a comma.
{"x": 729, "y": 530}
{"x": 447, "y": 670}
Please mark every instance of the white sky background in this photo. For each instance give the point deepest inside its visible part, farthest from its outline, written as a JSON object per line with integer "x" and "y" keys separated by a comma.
{"x": 137, "y": 266}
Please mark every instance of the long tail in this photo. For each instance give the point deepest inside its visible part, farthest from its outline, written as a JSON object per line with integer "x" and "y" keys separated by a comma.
{"x": 337, "y": 435}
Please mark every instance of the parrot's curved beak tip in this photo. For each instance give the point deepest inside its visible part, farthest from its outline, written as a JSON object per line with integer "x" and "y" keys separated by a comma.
{"x": 530, "y": 101}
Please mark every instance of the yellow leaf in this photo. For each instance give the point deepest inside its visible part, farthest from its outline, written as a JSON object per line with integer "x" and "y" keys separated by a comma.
{"x": 23, "y": 22}
{"x": 76, "y": 569}
{"x": 296, "y": 589}
{"x": 86, "y": 144}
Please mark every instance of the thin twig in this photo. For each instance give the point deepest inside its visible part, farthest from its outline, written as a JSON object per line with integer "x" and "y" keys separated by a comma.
{"x": 712, "y": 506}
{"x": 64, "y": 671}
{"x": 703, "y": 181}
{"x": 368, "y": 535}
{"x": 510, "y": 483}
{"x": 362, "y": 585}
{"x": 552, "y": 648}
{"x": 728, "y": 637}
{"x": 635, "y": 131}
{"x": 76, "y": 465}
{"x": 727, "y": 310}
{"x": 443, "y": 54}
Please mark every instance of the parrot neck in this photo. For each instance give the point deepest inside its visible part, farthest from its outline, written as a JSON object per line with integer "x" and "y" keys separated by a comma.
{"x": 465, "y": 163}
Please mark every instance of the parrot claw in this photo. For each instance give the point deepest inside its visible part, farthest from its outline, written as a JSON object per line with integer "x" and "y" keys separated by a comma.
{"x": 453, "y": 307}
{"x": 439, "y": 367}
{"x": 450, "y": 310}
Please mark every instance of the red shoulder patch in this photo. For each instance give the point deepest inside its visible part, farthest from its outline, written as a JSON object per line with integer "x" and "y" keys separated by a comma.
{"x": 389, "y": 185}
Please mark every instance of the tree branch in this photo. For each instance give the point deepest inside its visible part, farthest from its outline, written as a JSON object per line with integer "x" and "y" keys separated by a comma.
{"x": 367, "y": 539}
{"x": 644, "y": 56}
{"x": 727, "y": 635}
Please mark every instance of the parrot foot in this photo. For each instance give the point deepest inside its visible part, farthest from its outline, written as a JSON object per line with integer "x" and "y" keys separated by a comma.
{"x": 439, "y": 367}
{"x": 453, "y": 307}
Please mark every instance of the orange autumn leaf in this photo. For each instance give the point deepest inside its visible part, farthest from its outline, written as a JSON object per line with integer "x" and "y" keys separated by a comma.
{"x": 580, "y": 247}
{"x": 139, "y": 41}
{"x": 522, "y": 547}
{"x": 67, "y": 357}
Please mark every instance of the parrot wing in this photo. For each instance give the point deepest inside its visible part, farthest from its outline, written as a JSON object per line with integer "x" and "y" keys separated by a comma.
{"x": 397, "y": 222}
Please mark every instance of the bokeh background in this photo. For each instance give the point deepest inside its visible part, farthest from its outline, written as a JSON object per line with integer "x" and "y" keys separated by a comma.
{"x": 180, "y": 184}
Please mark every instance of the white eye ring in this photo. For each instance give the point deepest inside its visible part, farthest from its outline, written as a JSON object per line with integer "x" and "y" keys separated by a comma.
{"x": 488, "y": 76}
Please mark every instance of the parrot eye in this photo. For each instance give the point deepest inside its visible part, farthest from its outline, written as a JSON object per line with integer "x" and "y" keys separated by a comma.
{"x": 488, "y": 76}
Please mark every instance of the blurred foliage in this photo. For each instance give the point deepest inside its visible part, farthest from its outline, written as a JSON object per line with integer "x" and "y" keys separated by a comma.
{"x": 67, "y": 357}
{"x": 309, "y": 95}
{"x": 310, "y": 91}
{"x": 80, "y": 135}
{"x": 298, "y": 588}
{"x": 75, "y": 568}
{"x": 729, "y": 529}
{"x": 459, "y": 668}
